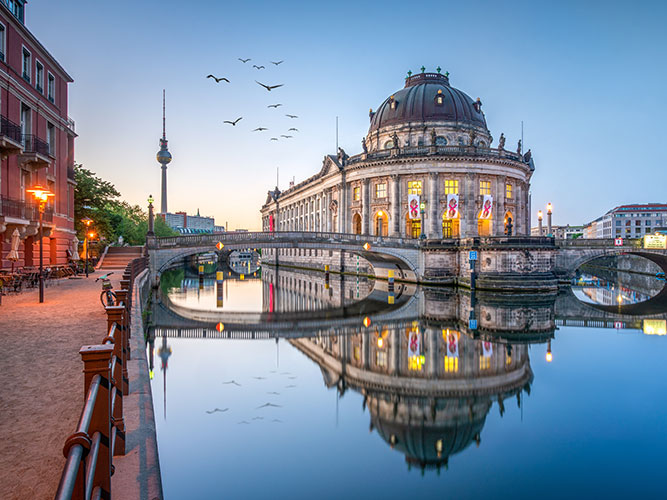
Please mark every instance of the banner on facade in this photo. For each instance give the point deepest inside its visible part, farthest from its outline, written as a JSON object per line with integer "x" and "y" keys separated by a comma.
{"x": 487, "y": 207}
{"x": 413, "y": 343}
{"x": 452, "y": 206}
{"x": 487, "y": 349}
{"x": 271, "y": 226}
{"x": 452, "y": 339}
{"x": 413, "y": 206}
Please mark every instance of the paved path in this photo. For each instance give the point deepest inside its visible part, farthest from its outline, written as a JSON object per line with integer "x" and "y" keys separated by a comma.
{"x": 41, "y": 388}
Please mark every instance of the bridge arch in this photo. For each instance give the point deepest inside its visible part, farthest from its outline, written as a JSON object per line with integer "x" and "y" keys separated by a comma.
{"x": 571, "y": 259}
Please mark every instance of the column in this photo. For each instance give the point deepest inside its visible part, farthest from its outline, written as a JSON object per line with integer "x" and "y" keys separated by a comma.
{"x": 499, "y": 208}
{"x": 342, "y": 206}
{"x": 395, "y": 219}
{"x": 469, "y": 212}
{"x": 365, "y": 207}
{"x": 433, "y": 207}
{"x": 329, "y": 214}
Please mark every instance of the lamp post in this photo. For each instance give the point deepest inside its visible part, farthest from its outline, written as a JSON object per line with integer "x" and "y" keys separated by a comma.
{"x": 41, "y": 196}
{"x": 539, "y": 221}
{"x": 87, "y": 221}
{"x": 151, "y": 217}
{"x": 422, "y": 207}
{"x": 549, "y": 356}
{"x": 549, "y": 211}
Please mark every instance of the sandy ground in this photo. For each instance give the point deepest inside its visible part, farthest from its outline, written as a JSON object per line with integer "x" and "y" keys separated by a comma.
{"x": 41, "y": 380}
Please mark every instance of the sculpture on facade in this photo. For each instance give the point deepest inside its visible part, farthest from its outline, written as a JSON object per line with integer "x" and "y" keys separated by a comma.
{"x": 501, "y": 141}
{"x": 472, "y": 137}
{"x": 394, "y": 138}
{"x": 342, "y": 157}
{"x": 518, "y": 147}
{"x": 434, "y": 137}
{"x": 527, "y": 156}
{"x": 363, "y": 145}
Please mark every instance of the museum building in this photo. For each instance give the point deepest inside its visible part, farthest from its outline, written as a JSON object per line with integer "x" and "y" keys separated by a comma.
{"x": 427, "y": 170}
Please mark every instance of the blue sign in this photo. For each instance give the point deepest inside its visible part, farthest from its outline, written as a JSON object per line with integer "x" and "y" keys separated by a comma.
{"x": 472, "y": 255}
{"x": 472, "y": 324}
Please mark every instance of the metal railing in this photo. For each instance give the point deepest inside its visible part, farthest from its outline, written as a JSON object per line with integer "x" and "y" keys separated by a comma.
{"x": 23, "y": 210}
{"x": 408, "y": 151}
{"x": 10, "y": 129}
{"x": 100, "y": 434}
{"x": 33, "y": 144}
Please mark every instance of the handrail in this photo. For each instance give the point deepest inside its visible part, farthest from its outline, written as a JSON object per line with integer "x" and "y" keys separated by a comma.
{"x": 100, "y": 434}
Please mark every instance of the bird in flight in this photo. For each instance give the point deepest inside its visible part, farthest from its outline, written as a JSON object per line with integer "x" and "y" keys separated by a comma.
{"x": 277, "y": 421}
{"x": 232, "y": 382}
{"x": 244, "y": 60}
{"x": 259, "y": 129}
{"x": 289, "y": 386}
{"x": 258, "y": 418}
{"x": 287, "y": 137}
{"x": 218, "y": 80}
{"x": 259, "y": 378}
{"x": 277, "y": 63}
{"x": 265, "y": 405}
{"x": 274, "y": 138}
{"x": 269, "y": 87}
{"x": 216, "y": 410}
{"x": 234, "y": 122}
{"x": 274, "y": 105}
{"x": 243, "y": 422}
{"x": 291, "y": 116}
{"x": 274, "y": 393}
{"x": 258, "y": 67}
{"x": 295, "y": 129}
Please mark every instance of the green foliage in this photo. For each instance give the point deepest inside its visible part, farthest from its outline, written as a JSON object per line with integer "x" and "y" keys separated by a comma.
{"x": 98, "y": 199}
{"x": 171, "y": 278}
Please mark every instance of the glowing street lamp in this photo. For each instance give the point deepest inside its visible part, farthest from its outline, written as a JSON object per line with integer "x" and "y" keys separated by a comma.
{"x": 87, "y": 221}
{"x": 41, "y": 195}
{"x": 422, "y": 207}
{"x": 151, "y": 217}
{"x": 549, "y": 212}
{"x": 549, "y": 355}
{"x": 539, "y": 221}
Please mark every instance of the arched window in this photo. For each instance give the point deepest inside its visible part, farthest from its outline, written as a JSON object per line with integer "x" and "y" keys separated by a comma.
{"x": 393, "y": 103}
{"x": 439, "y": 98}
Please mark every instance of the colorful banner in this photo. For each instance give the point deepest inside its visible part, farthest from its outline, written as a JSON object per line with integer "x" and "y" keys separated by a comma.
{"x": 452, "y": 345}
{"x": 413, "y": 343}
{"x": 487, "y": 207}
{"x": 413, "y": 206}
{"x": 487, "y": 349}
{"x": 452, "y": 206}
{"x": 270, "y": 223}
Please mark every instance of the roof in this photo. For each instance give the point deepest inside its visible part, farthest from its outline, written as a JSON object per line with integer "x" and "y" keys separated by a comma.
{"x": 648, "y": 207}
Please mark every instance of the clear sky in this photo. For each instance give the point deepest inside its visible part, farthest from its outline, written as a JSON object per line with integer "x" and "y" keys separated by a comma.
{"x": 587, "y": 79}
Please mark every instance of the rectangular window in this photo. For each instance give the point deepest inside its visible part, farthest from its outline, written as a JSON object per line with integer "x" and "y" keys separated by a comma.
{"x": 484, "y": 187}
{"x": 51, "y": 138}
{"x": 381, "y": 190}
{"x": 451, "y": 186}
{"x": 26, "y": 64}
{"x": 415, "y": 187}
{"x": 51, "y": 88}
{"x": 3, "y": 42}
{"x": 357, "y": 194}
{"x": 451, "y": 364}
{"x": 508, "y": 191}
{"x": 39, "y": 77}
{"x": 484, "y": 362}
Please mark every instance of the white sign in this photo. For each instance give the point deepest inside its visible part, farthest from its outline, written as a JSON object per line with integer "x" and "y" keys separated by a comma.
{"x": 413, "y": 206}
{"x": 452, "y": 345}
{"x": 452, "y": 206}
{"x": 487, "y": 349}
{"x": 487, "y": 207}
{"x": 618, "y": 242}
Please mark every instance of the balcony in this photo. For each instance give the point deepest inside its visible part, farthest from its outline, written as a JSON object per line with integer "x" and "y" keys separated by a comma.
{"x": 22, "y": 215}
{"x": 36, "y": 152}
{"x": 10, "y": 137}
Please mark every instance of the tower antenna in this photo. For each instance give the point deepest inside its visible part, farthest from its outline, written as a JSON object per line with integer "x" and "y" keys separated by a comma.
{"x": 164, "y": 121}
{"x": 523, "y": 146}
{"x": 336, "y": 134}
{"x": 277, "y": 176}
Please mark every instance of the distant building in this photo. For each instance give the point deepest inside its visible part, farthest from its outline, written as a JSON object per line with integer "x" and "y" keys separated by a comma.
{"x": 191, "y": 224}
{"x": 559, "y": 232}
{"x": 628, "y": 221}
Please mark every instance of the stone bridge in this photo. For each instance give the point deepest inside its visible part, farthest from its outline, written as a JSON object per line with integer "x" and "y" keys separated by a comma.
{"x": 503, "y": 263}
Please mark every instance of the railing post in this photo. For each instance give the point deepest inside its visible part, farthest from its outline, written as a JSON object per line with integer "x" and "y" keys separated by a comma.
{"x": 116, "y": 314}
{"x": 97, "y": 361}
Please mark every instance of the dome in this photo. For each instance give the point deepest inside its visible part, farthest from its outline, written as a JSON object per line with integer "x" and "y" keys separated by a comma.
{"x": 428, "y": 97}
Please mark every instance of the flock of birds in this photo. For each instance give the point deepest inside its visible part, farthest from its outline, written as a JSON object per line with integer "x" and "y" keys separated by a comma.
{"x": 268, "y": 88}
{"x": 265, "y": 405}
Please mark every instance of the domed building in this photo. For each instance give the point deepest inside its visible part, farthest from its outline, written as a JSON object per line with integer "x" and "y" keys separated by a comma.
{"x": 427, "y": 169}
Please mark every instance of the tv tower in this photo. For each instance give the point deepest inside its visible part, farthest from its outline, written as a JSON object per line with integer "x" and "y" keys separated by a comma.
{"x": 163, "y": 158}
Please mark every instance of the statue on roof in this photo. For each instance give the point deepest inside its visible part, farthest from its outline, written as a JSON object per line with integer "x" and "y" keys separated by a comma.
{"x": 342, "y": 157}
{"x": 501, "y": 141}
{"x": 394, "y": 138}
{"x": 363, "y": 145}
{"x": 527, "y": 157}
{"x": 518, "y": 147}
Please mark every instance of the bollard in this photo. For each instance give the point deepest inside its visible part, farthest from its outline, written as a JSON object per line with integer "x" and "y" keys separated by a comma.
{"x": 218, "y": 287}
{"x": 326, "y": 276}
{"x": 390, "y": 280}
{"x": 97, "y": 361}
{"x": 201, "y": 277}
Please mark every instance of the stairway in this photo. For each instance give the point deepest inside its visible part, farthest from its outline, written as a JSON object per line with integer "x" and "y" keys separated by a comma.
{"x": 119, "y": 257}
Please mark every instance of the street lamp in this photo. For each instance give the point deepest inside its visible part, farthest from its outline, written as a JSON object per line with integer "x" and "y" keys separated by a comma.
{"x": 539, "y": 221}
{"x": 549, "y": 356}
{"x": 41, "y": 196}
{"x": 87, "y": 221}
{"x": 549, "y": 211}
{"x": 150, "y": 216}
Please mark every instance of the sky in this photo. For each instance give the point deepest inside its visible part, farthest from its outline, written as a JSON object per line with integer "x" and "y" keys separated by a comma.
{"x": 586, "y": 79}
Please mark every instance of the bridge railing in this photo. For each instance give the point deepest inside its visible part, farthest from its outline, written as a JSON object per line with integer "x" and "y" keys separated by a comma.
{"x": 100, "y": 433}
{"x": 597, "y": 243}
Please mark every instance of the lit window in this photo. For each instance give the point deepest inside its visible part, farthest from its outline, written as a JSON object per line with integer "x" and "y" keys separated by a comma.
{"x": 451, "y": 186}
{"x": 381, "y": 358}
{"x": 393, "y": 103}
{"x": 415, "y": 187}
{"x": 484, "y": 187}
{"x": 381, "y": 190}
{"x": 26, "y": 64}
{"x": 484, "y": 362}
{"x": 451, "y": 364}
{"x": 51, "y": 90}
{"x": 439, "y": 98}
{"x": 508, "y": 191}
{"x": 357, "y": 193}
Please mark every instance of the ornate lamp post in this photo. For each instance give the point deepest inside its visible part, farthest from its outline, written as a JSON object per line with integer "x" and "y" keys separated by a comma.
{"x": 151, "y": 217}
{"x": 41, "y": 196}
{"x": 87, "y": 221}
{"x": 549, "y": 211}
{"x": 539, "y": 221}
{"x": 422, "y": 208}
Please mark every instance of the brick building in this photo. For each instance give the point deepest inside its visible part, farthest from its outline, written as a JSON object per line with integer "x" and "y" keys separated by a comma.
{"x": 36, "y": 143}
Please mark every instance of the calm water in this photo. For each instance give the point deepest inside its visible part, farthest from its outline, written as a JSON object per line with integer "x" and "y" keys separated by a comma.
{"x": 372, "y": 394}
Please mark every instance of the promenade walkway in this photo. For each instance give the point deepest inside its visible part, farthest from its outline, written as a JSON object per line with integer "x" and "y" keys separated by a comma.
{"x": 41, "y": 392}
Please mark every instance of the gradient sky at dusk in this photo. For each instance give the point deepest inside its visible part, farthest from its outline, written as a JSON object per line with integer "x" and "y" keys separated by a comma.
{"x": 587, "y": 78}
